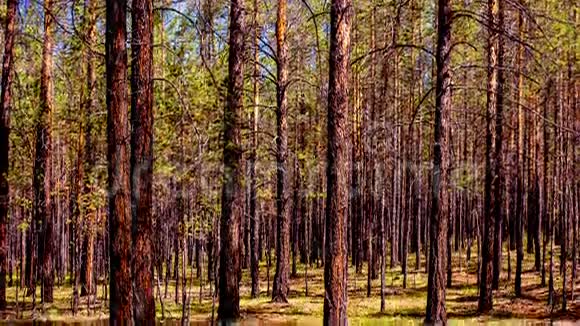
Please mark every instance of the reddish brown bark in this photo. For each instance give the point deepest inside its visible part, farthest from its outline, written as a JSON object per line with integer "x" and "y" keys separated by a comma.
{"x": 142, "y": 160}
{"x": 5, "y": 106}
{"x": 120, "y": 247}
{"x": 335, "y": 263}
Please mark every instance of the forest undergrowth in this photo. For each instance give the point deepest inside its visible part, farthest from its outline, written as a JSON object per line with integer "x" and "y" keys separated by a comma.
{"x": 405, "y": 303}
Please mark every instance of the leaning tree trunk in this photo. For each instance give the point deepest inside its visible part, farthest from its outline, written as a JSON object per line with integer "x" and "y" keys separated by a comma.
{"x": 436, "y": 312}
{"x": 120, "y": 297}
{"x": 280, "y": 288}
{"x": 142, "y": 159}
{"x": 5, "y": 98}
{"x": 232, "y": 196}
{"x": 335, "y": 264}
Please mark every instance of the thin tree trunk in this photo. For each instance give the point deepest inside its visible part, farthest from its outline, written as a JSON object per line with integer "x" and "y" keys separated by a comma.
{"x": 560, "y": 186}
{"x": 280, "y": 288}
{"x": 301, "y": 206}
{"x": 520, "y": 163}
{"x": 574, "y": 157}
{"x": 179, "y": 232}
{"x": 254, "y": 219}
{"x": 551, "y": 216}
{"x": 382, "y": 245}
{"x": 544, "y": 178}
{"x": 574, "y": 240}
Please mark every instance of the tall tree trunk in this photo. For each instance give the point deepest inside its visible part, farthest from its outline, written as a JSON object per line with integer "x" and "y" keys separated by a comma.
{"x": 498, "y": 178}
{"x": 179, "y": 226}
{"x": 142, "y": 159}
{"x": 544, "y": 177}
{"x": 232, "y": 196}
{"x": 436, "y": 312}
{"x": 84, "y": 166}
{"x": 89, "y": 153}
{"x": 520, "y": 163}
{"x": 493, "y": 185}
{"x": 42, "y": 166}
{"x": 280, "y": 288}
{"x": 368, "y": 132}
{"x": 555, "y": 194}
{"x": 574, "y": 157}
{"x": 5, "y": 106}
{"x": 254, "y": 219}
{"x": 335, "y": 264}
{"x": 382, "y": 244}
{"x": 561, "y": 163}
{"x": 120, "y": 302}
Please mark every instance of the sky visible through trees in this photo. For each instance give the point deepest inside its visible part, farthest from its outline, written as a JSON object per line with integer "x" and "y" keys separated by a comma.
{"x": 229, "y": 159}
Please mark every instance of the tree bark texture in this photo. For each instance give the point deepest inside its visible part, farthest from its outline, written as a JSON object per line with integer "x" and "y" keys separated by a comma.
{"x": 232, "y": 191}
{"x": 142, "y": 160}
{"x": 438, "y": 256}
{"x": 335, "y": 264}
{"x": 280, "y": 288}
{"x": 5, "y": 107}
{"x": 120, "y": 244}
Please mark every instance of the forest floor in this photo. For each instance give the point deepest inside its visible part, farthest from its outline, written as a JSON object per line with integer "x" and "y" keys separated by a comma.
{"x": 401, "y": 303}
